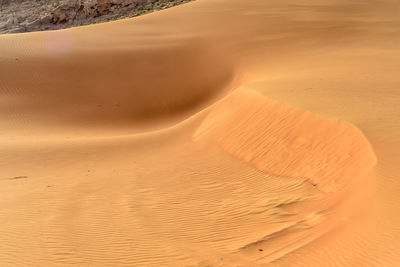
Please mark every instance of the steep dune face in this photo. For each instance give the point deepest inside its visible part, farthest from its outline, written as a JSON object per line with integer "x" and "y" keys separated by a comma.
{"x": 217, "y": 133}
{"x": 129, "y": 86}
{"x": 288, "y": 142}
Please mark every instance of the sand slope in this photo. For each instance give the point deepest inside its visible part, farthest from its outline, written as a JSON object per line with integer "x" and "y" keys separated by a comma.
{"x": 216, "y": 133}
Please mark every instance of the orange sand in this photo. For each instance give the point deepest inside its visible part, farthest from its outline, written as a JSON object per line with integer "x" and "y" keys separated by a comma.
{"x": 216, "y": 133}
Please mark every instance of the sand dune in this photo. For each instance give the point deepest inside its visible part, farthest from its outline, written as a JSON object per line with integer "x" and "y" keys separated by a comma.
{"x": 216, "y": 133}
{"x": 283, "y": 141}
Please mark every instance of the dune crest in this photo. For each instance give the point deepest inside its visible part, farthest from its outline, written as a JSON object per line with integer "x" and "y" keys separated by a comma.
{"x": 286, "y": 141}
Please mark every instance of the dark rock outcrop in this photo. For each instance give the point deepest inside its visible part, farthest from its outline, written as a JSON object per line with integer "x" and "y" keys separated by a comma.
{"x": 37, "y": 15}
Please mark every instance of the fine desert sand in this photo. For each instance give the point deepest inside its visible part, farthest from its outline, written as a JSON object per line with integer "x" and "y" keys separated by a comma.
{"x": 215, "y": 133}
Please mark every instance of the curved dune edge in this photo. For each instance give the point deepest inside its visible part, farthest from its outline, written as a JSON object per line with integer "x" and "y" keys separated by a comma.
{"x": 142, "y": 89}
{"x": 286, "y": 141}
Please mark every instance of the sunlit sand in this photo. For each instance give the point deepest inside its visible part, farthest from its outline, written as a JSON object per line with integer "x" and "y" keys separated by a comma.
{"x": 216, "y": 133}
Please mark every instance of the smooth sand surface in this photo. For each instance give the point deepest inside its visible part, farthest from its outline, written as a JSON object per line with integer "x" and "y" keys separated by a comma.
{"x": 216, "y": 133}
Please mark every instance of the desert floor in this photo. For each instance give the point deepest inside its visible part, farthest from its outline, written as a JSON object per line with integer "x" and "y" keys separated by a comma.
{"x": 216, "y": 133}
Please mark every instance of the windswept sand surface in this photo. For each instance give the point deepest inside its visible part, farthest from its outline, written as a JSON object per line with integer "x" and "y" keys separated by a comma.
{"x": 217, "y": 133}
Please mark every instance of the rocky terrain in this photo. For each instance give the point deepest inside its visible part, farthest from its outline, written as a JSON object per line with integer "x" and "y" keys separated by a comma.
{"x": 38, "y": 15}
